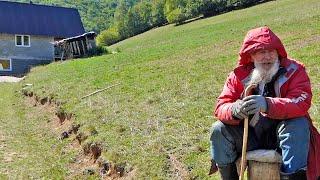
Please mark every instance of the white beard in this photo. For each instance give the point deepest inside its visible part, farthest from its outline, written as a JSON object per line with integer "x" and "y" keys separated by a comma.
{"x": 263, "y": 75}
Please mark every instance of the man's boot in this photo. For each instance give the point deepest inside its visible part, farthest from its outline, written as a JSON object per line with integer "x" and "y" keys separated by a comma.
{"x": 213, "y": 168}
{"x": 229, "y": 172}
{"x": 299, "y": 175}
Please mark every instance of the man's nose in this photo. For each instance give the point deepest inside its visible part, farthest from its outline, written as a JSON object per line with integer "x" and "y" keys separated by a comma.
{"x": 267, "y": 57}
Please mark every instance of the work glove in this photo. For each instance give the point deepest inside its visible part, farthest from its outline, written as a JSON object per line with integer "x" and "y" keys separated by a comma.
{"x": 236, "y": 110}
{"x": 253, "y": 104}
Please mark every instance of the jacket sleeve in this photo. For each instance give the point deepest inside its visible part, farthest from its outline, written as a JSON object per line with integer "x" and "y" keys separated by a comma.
{"x": 231, "y": 92}
{"x": 296, "y": 100}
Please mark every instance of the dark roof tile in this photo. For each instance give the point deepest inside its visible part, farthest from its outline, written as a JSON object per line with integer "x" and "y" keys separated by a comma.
{"x": 33, "y": 19}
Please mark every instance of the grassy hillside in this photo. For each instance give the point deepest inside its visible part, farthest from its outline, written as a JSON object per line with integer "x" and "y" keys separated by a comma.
{"x": 155, "y": 122}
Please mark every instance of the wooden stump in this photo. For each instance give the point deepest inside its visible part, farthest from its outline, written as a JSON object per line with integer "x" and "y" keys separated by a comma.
{"x": 263, "y": 165}
{"x": 263, "y": 171}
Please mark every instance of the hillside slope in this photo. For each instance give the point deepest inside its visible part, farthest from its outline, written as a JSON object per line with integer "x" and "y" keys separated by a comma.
{"x": 155, "y": 121}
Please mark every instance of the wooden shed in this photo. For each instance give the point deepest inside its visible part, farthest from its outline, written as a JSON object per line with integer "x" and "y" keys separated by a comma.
{"x": 75, "y": 47}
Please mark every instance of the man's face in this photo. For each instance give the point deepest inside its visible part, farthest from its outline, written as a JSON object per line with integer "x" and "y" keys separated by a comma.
{"x": 266, "y": 65}
{"x": 265, "y": 58}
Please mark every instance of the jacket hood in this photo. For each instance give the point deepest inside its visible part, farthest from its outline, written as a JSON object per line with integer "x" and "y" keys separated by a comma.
{"x": 260, "y": 38}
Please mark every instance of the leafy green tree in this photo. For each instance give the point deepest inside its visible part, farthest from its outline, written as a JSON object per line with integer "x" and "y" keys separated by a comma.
{"x": 247, "y": 3}
{"x": 193, "y": 7}
{"x": 212, "y": 7}
{"x": 176, "y": 16}
{"x": 121, "y": 19}
{"x": 143, "y": 11}
{"x": 175, "y": 11}
{"x": 158, "y": 16}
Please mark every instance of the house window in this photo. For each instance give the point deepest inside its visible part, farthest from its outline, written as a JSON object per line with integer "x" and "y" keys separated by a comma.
{"x": 5, "y": 65}
{"x": 23, "y": 40}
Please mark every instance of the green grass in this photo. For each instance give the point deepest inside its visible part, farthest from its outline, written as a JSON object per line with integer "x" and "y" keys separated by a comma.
{"x": 28, "y": 150}
{"x": 169, "y": 80}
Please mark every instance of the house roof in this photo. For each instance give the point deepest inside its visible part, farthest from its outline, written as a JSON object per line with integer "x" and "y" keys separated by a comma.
{"x": 33, "y": 19}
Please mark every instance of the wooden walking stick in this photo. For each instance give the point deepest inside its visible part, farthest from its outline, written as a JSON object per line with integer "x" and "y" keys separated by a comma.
{"x": 245, "y": 135}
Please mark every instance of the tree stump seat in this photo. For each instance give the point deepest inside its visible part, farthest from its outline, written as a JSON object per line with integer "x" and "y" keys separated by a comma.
{"x": 262, "y": 164}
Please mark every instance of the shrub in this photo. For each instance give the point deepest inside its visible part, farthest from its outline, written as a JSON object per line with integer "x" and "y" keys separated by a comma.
{"x": 176, "y": 16}
{"x": 108, "y": 37}
{"x": 98, "y": 50}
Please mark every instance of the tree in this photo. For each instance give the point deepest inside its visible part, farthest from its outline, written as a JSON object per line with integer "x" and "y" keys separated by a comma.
{"x": 175, "y": 11}
{"x": 139, "y": 18}
{"x": 121, "y": 19}
{"x": 212, "y": 7}
{"x": 193, "y": 7}
{"x": 158, "y": 16}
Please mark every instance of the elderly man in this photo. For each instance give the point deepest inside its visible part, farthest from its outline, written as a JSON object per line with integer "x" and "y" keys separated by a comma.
{"x": 277, "y": 109}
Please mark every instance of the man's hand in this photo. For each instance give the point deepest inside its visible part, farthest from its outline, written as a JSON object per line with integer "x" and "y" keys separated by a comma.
{"x": 253, "y": 104}
{"x": 236, "y": 110}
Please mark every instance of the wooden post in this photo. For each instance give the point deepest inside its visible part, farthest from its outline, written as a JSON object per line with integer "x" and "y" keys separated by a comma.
{"x": 72, "y": 49}
{"x": 71, "y": 46}
{"x": 69, "y": 51}
{"x": 63, "y": 49}
{"x": 87, "y": 43}
{"x": 84, "y": 48}
{"x": 78, "y": 48}
{"x": 75, "y": 48}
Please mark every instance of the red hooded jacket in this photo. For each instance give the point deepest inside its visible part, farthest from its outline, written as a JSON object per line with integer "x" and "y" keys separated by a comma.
{"x": 293, "y": 90}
